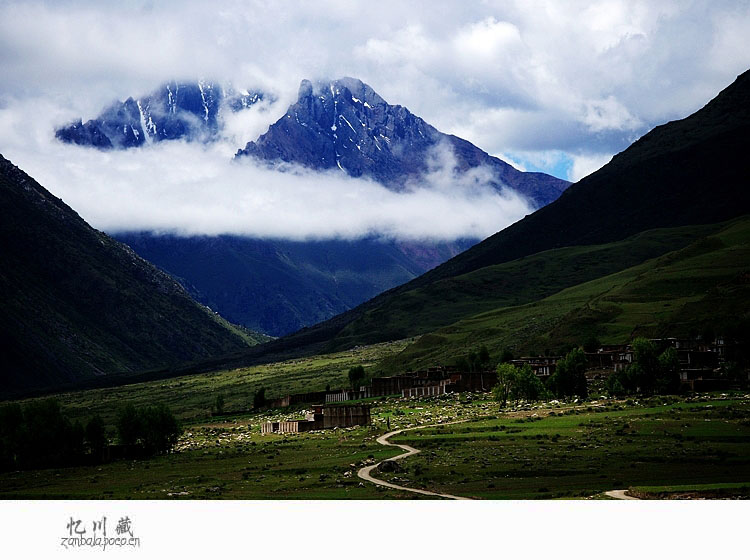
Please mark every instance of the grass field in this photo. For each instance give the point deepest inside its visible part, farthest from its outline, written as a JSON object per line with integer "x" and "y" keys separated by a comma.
{"x": 222, "y": 465}
{"x": 550, "y": 450}
{"x": 721, "y": 490}
{"x": 583, "y": 451}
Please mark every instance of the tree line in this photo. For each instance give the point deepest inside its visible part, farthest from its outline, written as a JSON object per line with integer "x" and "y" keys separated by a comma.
{"x": 651, "y": 372}
{"x": 521, "y": 383}
{"x": 39, "y": 435}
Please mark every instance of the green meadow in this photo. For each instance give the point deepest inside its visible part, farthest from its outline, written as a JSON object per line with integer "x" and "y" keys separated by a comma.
{"x": 584, "y": 451}
{"x": 547, "y": 451}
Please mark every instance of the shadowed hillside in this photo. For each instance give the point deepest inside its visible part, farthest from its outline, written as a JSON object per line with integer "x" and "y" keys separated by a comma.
{"x": 78, "y": 304}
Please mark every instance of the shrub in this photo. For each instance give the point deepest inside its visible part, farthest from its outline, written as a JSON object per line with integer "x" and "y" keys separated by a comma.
{"x": 219, "y": 404}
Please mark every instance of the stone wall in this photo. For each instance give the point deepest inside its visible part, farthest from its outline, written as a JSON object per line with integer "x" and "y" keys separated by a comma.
{"x": 426, "y": 391}
{"x": 344, "y": 416}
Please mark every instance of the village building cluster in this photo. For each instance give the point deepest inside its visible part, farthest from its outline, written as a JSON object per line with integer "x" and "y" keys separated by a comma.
{"x": 432, "y": 382}
{"x": 699, "y": 362}
{"x": 323, "y": 417}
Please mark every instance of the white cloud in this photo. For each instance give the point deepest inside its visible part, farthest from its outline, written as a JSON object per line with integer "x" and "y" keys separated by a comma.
{"x": 511, "y": 76}
{"x": 484, "y": 41}
{"x": 608, "y": 114}
{"x": 190, "y": 188}
{"x": 586, "y": 164}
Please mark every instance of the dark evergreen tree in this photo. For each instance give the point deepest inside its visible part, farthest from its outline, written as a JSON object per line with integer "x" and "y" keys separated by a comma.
{"x": 569, "y": 378}
{"x": 129, "y": 425}
{"x": 259, "y": 399}
{"x": 96, "y": 438}
{"x": 357, "y": 377}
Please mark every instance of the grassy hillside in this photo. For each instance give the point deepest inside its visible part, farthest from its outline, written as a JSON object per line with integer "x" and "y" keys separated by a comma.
{"x": 191, "y": 397}
{"x": 77, "y": 304}
{"x": 703, "y": 284}
{"x": 441, "y": 303}
{"x": 687, "y": 172}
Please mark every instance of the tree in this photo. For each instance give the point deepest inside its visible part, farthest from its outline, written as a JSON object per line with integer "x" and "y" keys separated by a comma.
{"x": 475, "y": 361}
{"x": 219, "y": 404}
{"x": 592, "y": 344}
{"x": 668, "y": 381}
{"x": 357, "y": 377}
{"x": 259, "y": 399}
{"x": 129, "y": 425}
{"x": 96, "y": 437}
{"x": 527, "y": 385}
{"x": 729, "y": 370}
{"x": 505, "y": 356}
{"x": 484, "y": 357}
{"x": 11, "y": 433}
{"x": 462, "y": 364}
{"x": 615, "y": 386}
{"x": 506, "y": 380}
{"x": 643, "y": 372}
{"x": 49, "y": 438}
{"x": 569, "y": 378}
{"x": 650, "y": 371}
{"x": 154, "y": 428}
{"x": 39, "y": 435}
{"x": 160, "y": 429}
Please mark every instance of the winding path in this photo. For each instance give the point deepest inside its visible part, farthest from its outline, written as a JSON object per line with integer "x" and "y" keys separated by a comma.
{"x": 620, "y": 495}
{"x": 364, "y": 472}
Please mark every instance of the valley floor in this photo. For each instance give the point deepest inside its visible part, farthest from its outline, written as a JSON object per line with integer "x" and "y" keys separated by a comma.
{"x": 553, "y": 450}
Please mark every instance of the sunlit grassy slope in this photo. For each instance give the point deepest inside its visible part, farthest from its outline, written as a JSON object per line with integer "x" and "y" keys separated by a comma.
{"x": 191, "y": 397}
{"x": 528, "y": 279}
{"x": 704, "y": 283}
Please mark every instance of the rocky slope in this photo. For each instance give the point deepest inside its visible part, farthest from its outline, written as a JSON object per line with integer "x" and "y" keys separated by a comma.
{"x": 346, "y": 124}
{"x": 176, "y": 110}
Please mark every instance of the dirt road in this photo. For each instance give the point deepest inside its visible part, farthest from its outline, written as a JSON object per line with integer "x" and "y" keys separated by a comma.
{"x": 619, "y": 495}
{"x": 364, "y": 472}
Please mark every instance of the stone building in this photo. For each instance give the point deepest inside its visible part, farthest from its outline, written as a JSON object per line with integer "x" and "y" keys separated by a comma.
{"x": 323, "y": 417}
